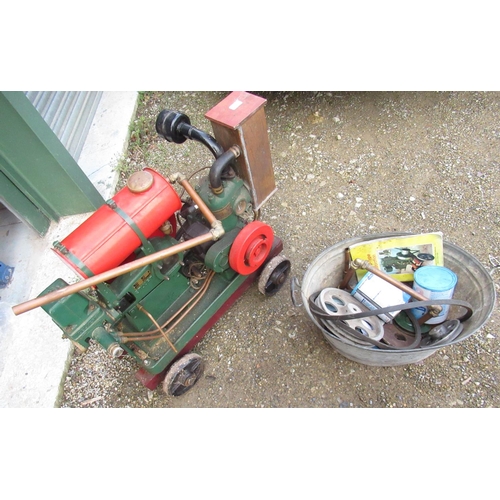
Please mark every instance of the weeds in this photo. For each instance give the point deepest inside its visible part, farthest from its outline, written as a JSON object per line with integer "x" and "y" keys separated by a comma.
{"x": 140, "y": 132}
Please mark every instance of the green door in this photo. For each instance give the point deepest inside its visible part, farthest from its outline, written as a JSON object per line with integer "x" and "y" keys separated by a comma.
{"x": 40, "y": 181}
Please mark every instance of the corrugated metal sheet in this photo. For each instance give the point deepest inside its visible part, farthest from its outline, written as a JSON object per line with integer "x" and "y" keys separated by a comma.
{"x": 68, "y": 114}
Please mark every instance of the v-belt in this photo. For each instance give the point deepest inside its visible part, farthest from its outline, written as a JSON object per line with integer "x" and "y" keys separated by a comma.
{"x": 320, "y": 313}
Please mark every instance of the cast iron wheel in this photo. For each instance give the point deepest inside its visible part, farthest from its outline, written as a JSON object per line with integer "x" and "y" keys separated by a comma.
{"x": 183, "y": 374}
{"x": 274, "y": 275}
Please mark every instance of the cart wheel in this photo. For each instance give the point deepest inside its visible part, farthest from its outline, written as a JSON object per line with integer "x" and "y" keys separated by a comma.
{"x": 183, "y": 374}
{"x": 274, "y": 275}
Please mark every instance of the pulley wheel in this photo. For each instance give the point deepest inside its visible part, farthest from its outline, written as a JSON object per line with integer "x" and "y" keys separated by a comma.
{"x": 396, "y": 337}
{"x": 441, "y": 331}
{"x": 274, "y": 275}
{"x": 183, "y": 374}
{"x": 338, "y": 302}
{"x": 251, "y": 247}
{"x": 444, "y": 333}
{"x": 403, "y": 321}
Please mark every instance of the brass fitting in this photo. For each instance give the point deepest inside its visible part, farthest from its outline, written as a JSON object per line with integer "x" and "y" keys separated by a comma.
{"x": 166, "y": 228}
{"x": 217, "y": 230}
{"x": 176, "y": 177}
{"x": 218, "y": 190}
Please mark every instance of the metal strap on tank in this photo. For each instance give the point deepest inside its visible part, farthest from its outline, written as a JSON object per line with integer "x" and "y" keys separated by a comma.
{"x": 145, "y": 242}
{"x": 73, "y": 258}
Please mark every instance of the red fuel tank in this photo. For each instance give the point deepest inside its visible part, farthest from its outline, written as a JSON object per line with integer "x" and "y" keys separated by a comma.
{"x": 111, "y": 234}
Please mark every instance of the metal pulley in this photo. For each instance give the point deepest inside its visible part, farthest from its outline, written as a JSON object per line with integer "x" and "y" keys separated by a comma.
{"x": 251, "y": 247}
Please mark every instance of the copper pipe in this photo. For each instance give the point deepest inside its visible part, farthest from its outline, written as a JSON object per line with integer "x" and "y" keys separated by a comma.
{"x": 152, "y": 334}
{"x": 165, "y": 335}
{"x": 126, "y": 336}
{"x": 140, "y": 338}
{"x": 112, "y": 273}
{"x": 199, "y": 297}
{"x": 364, "y": 264}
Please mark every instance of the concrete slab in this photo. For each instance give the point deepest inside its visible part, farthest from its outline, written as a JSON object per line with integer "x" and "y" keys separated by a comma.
{"x": 105, "y": 145}
{"x": 33, "y": 356}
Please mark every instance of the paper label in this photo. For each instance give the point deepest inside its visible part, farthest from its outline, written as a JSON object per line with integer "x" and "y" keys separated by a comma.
{"x": 236, "y": 104}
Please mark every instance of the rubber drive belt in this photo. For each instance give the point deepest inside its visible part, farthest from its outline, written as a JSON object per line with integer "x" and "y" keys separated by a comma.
{"x": 320, "y": 314}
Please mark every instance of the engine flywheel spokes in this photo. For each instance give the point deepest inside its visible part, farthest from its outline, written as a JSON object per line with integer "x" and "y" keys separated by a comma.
{"x": 251, "y": 247}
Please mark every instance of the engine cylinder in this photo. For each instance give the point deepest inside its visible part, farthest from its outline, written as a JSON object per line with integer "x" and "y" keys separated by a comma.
{"x": 112, "y": 233}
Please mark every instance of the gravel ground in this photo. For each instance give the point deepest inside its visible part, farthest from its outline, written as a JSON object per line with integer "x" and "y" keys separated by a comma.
{"x": 346, "y": 164}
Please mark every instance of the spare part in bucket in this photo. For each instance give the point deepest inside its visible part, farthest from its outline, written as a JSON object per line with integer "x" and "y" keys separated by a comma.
{"x": 445, "y": 332}
{"x": 403, "y": 321}
{"x": 434, "y": 310}
{"x": 475, "y": 288}
{"x": 375, "y": 292}
{"x": 395, "y": 337}
{"x": 158, "y": 271}
{"x": 6, "y": 273}
{"x": 335, "y": 303}
{"x": 344, "y": 318}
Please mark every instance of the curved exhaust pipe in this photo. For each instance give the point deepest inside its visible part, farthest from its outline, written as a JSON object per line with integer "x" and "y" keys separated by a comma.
{"x": 176, "y": 127}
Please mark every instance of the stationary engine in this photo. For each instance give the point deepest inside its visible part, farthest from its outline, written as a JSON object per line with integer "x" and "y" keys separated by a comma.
{"x": 157, "y": 271}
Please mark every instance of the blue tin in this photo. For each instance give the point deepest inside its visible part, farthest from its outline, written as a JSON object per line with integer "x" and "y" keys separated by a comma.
{"x": 434, "y": 282}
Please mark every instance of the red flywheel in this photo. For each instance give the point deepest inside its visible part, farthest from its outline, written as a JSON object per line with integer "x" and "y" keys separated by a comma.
{"x": 251, "y": 247}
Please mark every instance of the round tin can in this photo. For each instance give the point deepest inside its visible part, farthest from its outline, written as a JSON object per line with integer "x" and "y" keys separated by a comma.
{"x": 434, "y": 282}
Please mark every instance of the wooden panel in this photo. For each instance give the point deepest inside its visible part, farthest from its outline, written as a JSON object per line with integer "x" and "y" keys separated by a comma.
{"x": 245, "y": 126}
{"x": 234, "y": 109}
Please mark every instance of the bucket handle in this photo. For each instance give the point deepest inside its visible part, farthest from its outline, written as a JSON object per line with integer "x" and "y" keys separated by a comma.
{"x": 495, "y": 264}
{"x": 294, "y": 290}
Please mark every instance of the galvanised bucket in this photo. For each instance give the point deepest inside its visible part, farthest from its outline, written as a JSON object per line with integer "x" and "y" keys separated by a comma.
{"x": 475, "y": 286}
